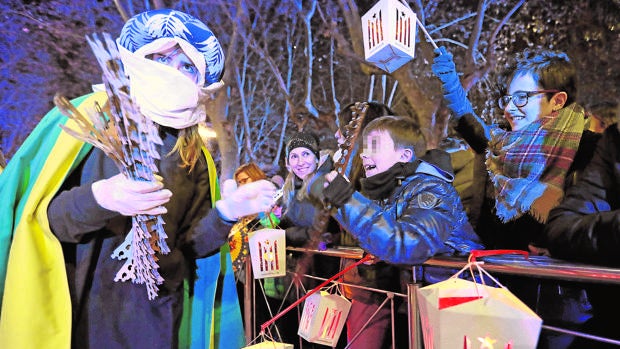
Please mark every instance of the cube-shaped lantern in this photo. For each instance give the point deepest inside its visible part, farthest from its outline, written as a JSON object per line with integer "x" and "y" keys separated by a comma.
{"x": 458, "y": 313}
{"x": 323, "y": 318}
{"x": 268, "y": 253}
{"x": 270, "y": 345}
{"x": 389, "y": 29}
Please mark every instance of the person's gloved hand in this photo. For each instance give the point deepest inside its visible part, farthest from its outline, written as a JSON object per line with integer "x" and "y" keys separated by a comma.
{"x": 245, "y": 200}
{"x": 130, "y": 197}
{"x": 444, "y": 68}
{"x": 339, "y": 190}
{"x": 331, "y": 188}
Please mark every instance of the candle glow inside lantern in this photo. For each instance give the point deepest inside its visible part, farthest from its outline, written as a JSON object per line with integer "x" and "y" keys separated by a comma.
{"x": 268, "y": 253}
{"x": 389, "y": 30}
{"x": 323, "y": 318}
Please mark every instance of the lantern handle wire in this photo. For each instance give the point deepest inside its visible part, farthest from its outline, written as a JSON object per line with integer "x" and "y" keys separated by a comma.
{"x": 421, "y": 25}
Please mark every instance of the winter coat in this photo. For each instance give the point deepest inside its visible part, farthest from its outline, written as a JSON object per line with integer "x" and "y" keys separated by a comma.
{"x": 525, "y": 230}
{"x": 422, "y": 217}
{"x": 585, "y": 226}
{"x": 119, "y": 314}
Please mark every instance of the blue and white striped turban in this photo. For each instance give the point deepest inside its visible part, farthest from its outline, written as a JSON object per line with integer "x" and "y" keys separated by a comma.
{"x": 148, "y": 27}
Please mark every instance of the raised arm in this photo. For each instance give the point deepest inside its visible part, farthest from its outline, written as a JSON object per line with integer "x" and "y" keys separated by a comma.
{"x": 471, "y": 127}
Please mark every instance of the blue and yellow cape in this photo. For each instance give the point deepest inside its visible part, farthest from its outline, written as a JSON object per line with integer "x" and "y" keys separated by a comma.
{"x": 34, "y": 293}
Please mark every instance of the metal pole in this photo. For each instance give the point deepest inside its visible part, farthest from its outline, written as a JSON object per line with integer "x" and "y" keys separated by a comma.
{"x": 248, "y": 290}
{"x": 413, "y": 317}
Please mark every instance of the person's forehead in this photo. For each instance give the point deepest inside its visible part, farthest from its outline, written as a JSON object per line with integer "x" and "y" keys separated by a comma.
{"x": 300, "y": 150}
{"x": 176, "y": 49}
{"x": 176, "y": 52}
{"x": 378, "y": 135}
{"x": 523, "y": 82}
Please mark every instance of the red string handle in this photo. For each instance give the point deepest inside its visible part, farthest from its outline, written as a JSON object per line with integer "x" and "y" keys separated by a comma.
{"x": 314, "y": 290}
{"x": 483, "y": 253}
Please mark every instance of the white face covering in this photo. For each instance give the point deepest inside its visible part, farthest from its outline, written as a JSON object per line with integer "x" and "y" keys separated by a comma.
{"x": 164, "y": 94}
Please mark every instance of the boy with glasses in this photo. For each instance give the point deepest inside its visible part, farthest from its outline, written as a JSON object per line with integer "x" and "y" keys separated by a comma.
{"x": 527, "y": 168}
{"x": 528, "y": 164}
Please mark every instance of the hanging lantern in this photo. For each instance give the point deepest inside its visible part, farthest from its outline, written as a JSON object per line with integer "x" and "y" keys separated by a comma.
{"x": 323, "y": 318}
{"x": 268, "y": 253}
{"x": 458, "y": 313}
{"x": 270, "y": 345}
{"x": 389, "y": 29}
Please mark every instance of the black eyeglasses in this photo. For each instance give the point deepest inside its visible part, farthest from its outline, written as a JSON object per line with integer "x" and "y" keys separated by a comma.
{"x": 519, "y": 98}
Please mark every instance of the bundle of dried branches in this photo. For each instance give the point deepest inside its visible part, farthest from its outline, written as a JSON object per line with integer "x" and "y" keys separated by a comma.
{"x": 130, "y": 140}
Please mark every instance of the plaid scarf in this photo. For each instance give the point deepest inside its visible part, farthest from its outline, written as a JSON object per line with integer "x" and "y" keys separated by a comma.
{"x": 532, "y": 163}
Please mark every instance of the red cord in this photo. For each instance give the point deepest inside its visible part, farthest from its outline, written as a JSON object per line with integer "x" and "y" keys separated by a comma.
{"x": 280, "y": 314}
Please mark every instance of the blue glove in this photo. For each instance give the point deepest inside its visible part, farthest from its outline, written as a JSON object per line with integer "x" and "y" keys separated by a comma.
{"x": 443, "y": 67}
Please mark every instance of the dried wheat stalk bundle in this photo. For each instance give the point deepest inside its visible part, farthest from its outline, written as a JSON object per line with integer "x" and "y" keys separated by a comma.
{"x": 130, "y": 140}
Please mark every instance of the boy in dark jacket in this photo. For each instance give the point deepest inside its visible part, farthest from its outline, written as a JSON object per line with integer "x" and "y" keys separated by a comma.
{"x": 406, "y": 213}
{"x": 409, "y": 211}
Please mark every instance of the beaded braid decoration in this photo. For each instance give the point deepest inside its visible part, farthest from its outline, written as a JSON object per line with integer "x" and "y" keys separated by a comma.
{"x": 130, "y": 140}
{"x": 238, "y": 241}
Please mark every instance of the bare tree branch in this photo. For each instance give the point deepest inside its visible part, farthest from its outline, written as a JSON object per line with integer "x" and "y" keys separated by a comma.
{"x": 307, "y": 20}
{"x": 121, "y": 10}
{"x": 491, "y": 58}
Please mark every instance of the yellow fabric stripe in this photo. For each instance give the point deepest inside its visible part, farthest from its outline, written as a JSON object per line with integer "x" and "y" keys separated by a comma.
{"x": 214, "y": 185}
{"x": 36, "y": 310}
{"x": 215, "y": 195}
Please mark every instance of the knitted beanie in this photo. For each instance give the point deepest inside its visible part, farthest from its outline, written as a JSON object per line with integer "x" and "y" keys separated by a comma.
{"x": 303, "y": 139}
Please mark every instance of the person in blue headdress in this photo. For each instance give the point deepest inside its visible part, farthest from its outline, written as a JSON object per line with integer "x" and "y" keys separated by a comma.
{"x": 69, "y": 209}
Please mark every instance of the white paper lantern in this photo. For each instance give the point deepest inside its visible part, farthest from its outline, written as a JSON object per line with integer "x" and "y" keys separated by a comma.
{"x": 323, "y": 318}
{"x": 268, "y": 253}
{"x": 270, "y": 345}
{"x": 458, "y": 313}
{"x": 389, "y": 30}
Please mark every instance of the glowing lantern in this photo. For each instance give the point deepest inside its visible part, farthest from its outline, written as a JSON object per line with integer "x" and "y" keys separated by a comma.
{"x": 270, "y": 345}
{"x": 323, "y": 318}
{"x": 389, "y": 29}
{"x": 268, "y": 253}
